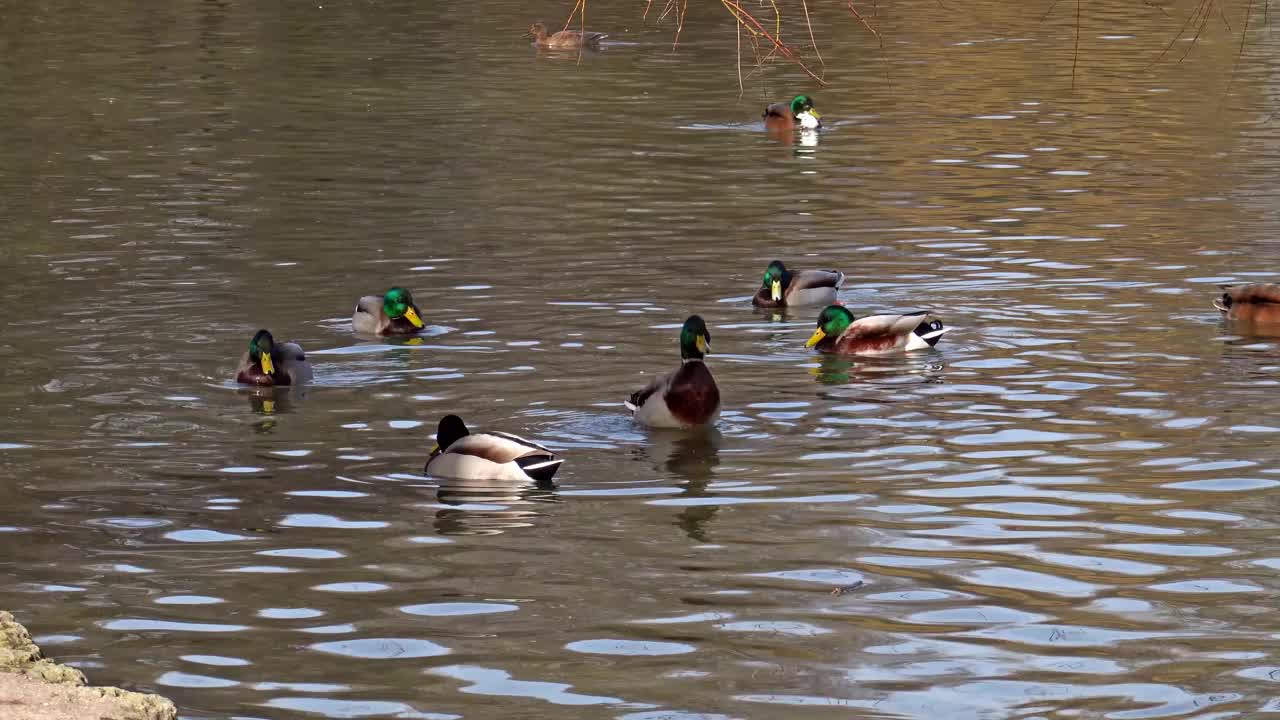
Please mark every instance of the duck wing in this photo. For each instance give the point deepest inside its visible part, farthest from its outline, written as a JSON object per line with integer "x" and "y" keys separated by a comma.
{"x": 367, "y": 315}
{"x": 574, "y": 38}
{"x": 291, "y": 361}
{"x": 657, "y": 386}
{"x": 531, "y": 445}
{"x": 806, "y": 279}
{"x": 887, "y": 324}
{"x": 498, "y": 448}
{"x": 778, "y": 109}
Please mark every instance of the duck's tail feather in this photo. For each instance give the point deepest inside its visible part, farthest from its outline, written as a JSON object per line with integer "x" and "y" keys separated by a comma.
{"x": 634, "y": 402}
{"x": 931, "y": 332}
{"x": 539, "y": 468}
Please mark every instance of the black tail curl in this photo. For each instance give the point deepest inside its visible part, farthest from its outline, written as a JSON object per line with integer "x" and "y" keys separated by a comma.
{"x": 539, "y": 467}
{"x": 930, "y": 332}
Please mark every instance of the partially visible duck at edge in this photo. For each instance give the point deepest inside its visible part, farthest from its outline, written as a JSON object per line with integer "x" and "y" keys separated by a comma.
{"x": 799, "y": 113}
{"x": 393, "y": 313}
{"x": 687, "y": 397}
{"x": 1253, "y": 303}
{"x": 839, "y": 332}
{"x": 565, "y": 39}
{"x": 787, "y": 288}
{"x": 460, "y": 454}
{"x": 266, "y": 363}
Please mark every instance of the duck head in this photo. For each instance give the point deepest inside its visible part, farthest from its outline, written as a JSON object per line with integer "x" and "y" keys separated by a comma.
{"x": 450, "y": 430}
{"x": 804, "y": 112}
{"x": 833, "y": 321}
{"x": 695, "y": 339}
{"x": 776, "y": 280}
{"x": 398, "y": 303}
{"x": 260, "y": 349}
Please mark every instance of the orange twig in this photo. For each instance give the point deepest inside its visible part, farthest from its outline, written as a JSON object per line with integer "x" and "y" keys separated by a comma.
{"x": 753, "y": 25}
{"x": 574, "y": 11}
{"x": 684, "y": 8}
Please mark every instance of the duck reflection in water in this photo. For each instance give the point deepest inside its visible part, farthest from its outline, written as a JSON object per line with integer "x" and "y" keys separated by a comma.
{"x": 903, "y": 369}
{"x": 805, "y": 138}
{"x": 481, "y": 507}
{"x": 692, "y": 459}
{"x": 269, "y": 400}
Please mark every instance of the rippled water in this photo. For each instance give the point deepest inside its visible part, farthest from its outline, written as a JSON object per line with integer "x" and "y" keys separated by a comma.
{"x": 1064, "y": 512}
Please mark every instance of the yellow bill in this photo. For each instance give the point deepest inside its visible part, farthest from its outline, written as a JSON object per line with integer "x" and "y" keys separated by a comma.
{"x": 704, "y": 347}
{"x": 815, "y": 338}
{"x": 268, "y": 406}
{"x": 434, "y": 449}
{"x": 267, "y": 366}
{"x": 412, "y": 316}
{"x": 814, "y": 113}
{"x": 777, "y": 290}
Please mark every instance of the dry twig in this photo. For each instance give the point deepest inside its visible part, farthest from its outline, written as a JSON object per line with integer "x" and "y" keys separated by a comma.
{"x": 864, "y": 22}
{"x": 754, "y": 26}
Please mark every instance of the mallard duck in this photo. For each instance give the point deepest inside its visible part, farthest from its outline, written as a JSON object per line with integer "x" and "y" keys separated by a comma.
{"x": 686, "y": 397}
{"x": 565, "y": 39}
{"x": 839, "y": 332}
{"x": 782, "y": 287}
{"x": 391, "y": 314}
{"x": 269, "y": 364}
{"x": 788, "y": 116}
{"x": 461, "y": 455}
{"x": 1252, "y": 303}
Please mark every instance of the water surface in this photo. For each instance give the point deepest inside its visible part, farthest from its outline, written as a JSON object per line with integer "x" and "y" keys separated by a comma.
{"x": 1064, "y": 512}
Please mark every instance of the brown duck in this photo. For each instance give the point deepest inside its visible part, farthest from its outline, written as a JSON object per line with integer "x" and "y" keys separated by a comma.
{"x": 799, "y": 113}
{"x": 565, "y": 39}
{"x": 1252, "y": 303}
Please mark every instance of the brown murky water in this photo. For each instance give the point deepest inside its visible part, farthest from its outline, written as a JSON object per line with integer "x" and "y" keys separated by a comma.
{"x": 1066, "y": 511}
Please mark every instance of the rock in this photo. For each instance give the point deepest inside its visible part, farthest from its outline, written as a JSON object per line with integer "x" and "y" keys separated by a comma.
{"x": 33, "y": 688}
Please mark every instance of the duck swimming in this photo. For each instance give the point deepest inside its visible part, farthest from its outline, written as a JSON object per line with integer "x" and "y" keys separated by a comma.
{"x": 686, "y": 397}
{"x": 392, "y": 313}
{"x": 799, "y": 113}
{"x": 462, "y": 455}
{"x": 839, "y": 332}
{"x": 1252, "y": 303}
{"x": 784, "y": 288}
{"x": 266, "y": 363}
{"x": 565, "y": 39}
